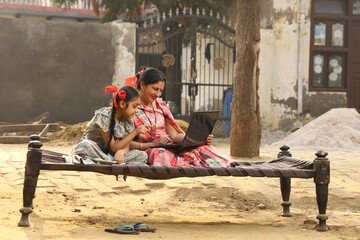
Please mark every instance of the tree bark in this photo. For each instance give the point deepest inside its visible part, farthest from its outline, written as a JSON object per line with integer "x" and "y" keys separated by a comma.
{"x": 245, "y": 132}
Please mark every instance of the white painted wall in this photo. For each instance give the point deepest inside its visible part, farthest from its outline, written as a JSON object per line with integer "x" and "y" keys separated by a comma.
{"x": 124, "y": 42}
{"x": 265, "y": 78}
{"x": 279, "y": 64}
{"x": 284, "y": 66}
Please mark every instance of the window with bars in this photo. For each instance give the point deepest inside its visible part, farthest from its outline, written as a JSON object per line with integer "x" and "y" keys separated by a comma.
{"x": 329, "y": 48}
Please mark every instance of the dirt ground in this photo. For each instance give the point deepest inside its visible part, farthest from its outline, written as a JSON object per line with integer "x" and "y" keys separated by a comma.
{"x": 80, "y": 205}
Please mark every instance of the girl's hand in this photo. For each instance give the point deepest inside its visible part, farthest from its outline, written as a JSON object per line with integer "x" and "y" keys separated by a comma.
{"x": 209, "y": 139}
{"x": 163, "y": 140}
{"x": 142, "y": 129}
{"x": 119, "y": 156}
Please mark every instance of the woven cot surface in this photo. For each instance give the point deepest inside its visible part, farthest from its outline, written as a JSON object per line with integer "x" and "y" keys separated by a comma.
{"x": 282, "y": 167}
{"x": 283, "y": 162}
{"x": 52, "y": 157}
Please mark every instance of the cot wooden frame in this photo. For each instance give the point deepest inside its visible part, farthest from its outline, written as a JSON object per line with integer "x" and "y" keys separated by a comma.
{"x": 319, "y": 170}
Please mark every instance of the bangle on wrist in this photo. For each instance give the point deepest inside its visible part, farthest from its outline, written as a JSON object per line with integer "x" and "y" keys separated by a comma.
{"x": 140, "y": 146}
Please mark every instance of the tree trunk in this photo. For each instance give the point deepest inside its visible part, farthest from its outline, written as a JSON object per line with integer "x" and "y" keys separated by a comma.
{"x": 245, "y": 132}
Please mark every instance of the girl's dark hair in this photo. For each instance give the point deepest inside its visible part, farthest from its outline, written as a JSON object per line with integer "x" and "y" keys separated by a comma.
{"x": 151, "y": 76}
{"x": 131, "y": 93}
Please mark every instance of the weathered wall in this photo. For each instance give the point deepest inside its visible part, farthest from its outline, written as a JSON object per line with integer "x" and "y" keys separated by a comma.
{"x": 63, "y": 67}
{"x": 56, "y": 67}
{"x": 124, "y": 41}
{"x": 285, "y": 50}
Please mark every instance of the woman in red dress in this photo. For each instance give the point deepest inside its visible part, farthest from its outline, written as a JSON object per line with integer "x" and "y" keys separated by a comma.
{"x": 153, "y": 111}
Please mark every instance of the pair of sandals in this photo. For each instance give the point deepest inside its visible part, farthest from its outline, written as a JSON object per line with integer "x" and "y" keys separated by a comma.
{"x": 131, "y": 229}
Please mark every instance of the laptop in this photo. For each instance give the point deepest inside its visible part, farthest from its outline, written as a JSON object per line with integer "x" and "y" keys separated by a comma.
{"x": 200, "y": 127}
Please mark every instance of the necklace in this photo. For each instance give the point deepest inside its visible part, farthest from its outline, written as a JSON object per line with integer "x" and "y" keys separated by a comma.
{"x": 149, "y": 120}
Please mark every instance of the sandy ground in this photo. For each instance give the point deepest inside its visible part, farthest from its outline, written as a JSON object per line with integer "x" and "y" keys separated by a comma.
{"x": 80, "y": 205}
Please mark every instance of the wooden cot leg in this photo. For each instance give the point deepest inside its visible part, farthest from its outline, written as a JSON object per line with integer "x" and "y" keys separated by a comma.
{"x": 322, "y": 180}
{"x": 322, "y": 198}
{"x": 285, "y": 185}
{"x": 32, "y": 169}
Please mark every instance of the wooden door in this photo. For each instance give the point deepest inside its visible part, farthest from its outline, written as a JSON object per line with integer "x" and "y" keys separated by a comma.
{"x": 354, "y": 78}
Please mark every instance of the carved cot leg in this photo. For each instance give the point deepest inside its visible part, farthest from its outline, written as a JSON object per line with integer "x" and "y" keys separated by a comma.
{"x": 285, "y": 185}
{"x": 322, "y": 179}
{"x": 32, "y": 169}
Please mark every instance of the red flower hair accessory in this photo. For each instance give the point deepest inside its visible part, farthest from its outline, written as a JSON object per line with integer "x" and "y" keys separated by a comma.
{"x": 114, "y": 89}
{"x": 131, "y": 81}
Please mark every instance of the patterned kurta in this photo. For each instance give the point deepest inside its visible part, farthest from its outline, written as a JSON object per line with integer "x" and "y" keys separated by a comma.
{"x": 202, "y": 156}
{"x": 90, "y": 149}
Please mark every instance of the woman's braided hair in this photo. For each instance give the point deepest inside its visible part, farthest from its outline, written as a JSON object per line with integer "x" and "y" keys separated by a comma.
{"x": 131, "y": 93}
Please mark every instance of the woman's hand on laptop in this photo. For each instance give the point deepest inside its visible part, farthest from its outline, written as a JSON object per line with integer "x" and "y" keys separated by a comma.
{"x": 209, "y": 139}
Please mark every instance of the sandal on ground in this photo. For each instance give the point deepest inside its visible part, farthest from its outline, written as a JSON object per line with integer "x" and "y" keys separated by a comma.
{"x": 143, "y": 227}
{"x": 123, "y": 229}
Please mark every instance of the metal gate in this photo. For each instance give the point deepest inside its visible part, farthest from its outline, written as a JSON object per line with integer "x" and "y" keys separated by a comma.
{"x": 196, "y": 52}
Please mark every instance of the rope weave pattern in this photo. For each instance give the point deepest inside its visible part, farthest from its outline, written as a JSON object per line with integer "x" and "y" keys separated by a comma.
{"x": 283, "y": 167}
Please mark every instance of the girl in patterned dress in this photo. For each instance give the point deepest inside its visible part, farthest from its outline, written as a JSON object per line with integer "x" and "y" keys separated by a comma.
{"x": 110, "y": 131}
{"x": 164, "y": 130}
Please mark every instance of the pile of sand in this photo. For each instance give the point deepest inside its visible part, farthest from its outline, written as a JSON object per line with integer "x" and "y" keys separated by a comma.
{"x": 70, "y": 134}
{"x": 337, "y": 129}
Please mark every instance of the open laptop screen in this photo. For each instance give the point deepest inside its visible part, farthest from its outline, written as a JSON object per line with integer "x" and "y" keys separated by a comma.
{"x": 201, "y": 125}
